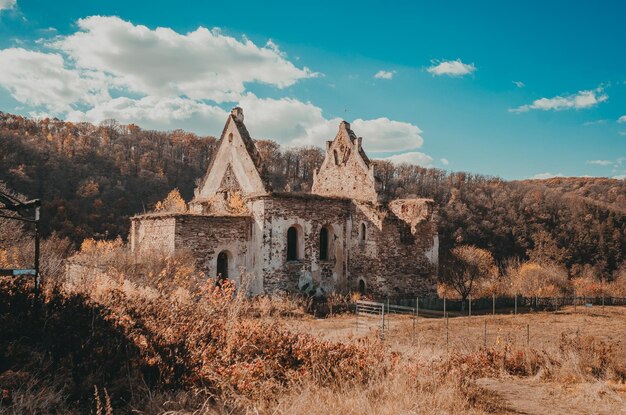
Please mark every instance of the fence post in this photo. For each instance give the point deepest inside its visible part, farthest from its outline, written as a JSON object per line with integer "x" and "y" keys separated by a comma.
{"x": 444, "y": 306}
{"x": 382, "y": 313}
{"x": 527, "y": 335}
{"x": 470, "y": 305}
{"x": 575, "y": 300}
{"x": 494, "y": 305}
{"x": 515, "y": 304}
{"x": 357, "y": 316}
{"x": 485, "y": 336}
{"x": 447, "y": 335}
{"x": 417, "y": 308}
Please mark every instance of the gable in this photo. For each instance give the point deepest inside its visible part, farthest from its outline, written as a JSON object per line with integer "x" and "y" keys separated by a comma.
{"x": 236, "y": 163}
{"x": 346, "y": 171}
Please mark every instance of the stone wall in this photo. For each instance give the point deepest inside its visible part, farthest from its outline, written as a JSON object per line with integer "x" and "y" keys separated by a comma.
{"x": 152, "y": 233}
{"x": 308, "y": 214}
{"x": 207, "y": 236}
{"x": 396, "y": 256}
{"x": 345, "y": 171}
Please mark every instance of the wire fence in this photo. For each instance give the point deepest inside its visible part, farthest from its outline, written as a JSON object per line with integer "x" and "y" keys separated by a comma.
{"x": 378, "y": 314}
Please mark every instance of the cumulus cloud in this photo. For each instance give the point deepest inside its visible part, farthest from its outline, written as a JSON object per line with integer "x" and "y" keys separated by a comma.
{"x": 203, "y": 64}
{"x": 580, "y": 100}
{"x": 161, "y": 79}
{"x": 412, "y": 157}
{"x": 621, "y": 119}
{"x": 385, "y": 135}
{"x": 444, "y": 161}
{"x": 519, "y": 84}
{"x": 41, "y": 79}
{"x": 157, "y": 113}
{"x": 384, "y": 74}
{"x": 295, "y": 123}
{"x": 7, "y": 4}
{"x": 620, "y": 177}
{"x": 451, "y": 68}
{"x": 541, "y": 176}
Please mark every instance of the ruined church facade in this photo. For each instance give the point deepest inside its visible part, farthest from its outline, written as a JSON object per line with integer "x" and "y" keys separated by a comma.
{"x": 340, "y": 237}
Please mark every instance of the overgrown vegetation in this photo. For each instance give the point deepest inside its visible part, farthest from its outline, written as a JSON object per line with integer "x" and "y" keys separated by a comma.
{"x": 155, "y": 337}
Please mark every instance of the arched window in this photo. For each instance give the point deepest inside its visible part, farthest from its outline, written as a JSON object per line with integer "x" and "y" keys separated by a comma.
{"x": 324, "y": 244}
{"x": 222, "y": 265}
{"x": 292, "y": 244}
{"x": 363, "y": 232}
{"x": 362, "y": 286}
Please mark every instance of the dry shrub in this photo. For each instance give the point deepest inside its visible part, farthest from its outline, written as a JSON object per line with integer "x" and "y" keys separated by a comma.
{"x": 533, "y": 279}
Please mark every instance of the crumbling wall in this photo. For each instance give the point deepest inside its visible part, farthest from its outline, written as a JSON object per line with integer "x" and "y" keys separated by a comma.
{"x": 396, "y": 256}
{"x": 309, "y": 214}
{"x": 207, "y": 236}
{"x": 152, "y": 233}
{"x": 346, "y": 170}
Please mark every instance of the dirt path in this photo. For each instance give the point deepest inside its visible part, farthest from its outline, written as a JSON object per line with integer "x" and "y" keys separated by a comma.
{"x": 531, "y": 397}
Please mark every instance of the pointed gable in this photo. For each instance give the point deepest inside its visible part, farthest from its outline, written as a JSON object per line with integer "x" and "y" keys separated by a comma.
{"x": 346, "y": 170}
{"x": 236, "y": 165}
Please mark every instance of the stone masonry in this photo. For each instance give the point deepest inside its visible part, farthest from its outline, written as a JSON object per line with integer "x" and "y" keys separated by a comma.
{"x": 340, "y": 237}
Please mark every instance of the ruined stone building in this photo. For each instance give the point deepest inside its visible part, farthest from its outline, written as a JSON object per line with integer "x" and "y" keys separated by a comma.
{"x": 340, "y": 237}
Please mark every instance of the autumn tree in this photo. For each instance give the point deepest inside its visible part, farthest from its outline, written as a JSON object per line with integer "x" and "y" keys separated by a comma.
{"x": 173, "y": 203}
{"x": 465, "y": 268}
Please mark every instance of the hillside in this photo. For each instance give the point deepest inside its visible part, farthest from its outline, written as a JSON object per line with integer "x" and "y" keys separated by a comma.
{"x": 93, "y": 178}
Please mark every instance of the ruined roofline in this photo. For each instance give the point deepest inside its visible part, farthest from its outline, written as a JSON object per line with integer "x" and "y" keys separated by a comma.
{"x": 297, "y": 195}
{"x": 168, "y": 215}
{"x": 353, "y": 138}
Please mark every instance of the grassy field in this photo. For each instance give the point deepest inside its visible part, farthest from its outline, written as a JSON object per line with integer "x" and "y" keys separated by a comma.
{"x": 111, "y": 345}
{"x": 432, "y": 339}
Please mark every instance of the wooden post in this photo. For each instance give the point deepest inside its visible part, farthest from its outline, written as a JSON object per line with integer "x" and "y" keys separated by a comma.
{"x": 515, "y": 304}
{"x": 444, "y": 306}
{"x": 382, "y": 309}
{"x": 356, "y": 310}
{"x": 485, "y": 336}
{"x": 527, "y": 335}
{"x": 470, "y": 305}
{"x": 37, "y": 276}
{"x": 447, "y": 334}
{"x": 494, "y": 305}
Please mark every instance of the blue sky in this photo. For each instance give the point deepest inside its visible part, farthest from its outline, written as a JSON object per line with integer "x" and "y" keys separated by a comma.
{"x": 512, "y": 89}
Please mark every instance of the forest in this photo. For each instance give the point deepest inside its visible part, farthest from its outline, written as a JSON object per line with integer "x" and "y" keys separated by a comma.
{"x": 93, "y": 178}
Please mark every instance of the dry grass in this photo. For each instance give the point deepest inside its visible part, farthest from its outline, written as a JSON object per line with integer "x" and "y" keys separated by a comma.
{"x": 119, "y": 343}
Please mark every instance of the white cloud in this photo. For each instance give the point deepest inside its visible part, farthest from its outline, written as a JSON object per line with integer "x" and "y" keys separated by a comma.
{"x": 451, "y": 68}
{"x": 165, "y": 80}
{"x": 203, "y": 64}
{"x": 295, "y": 123}
{"x": 157, "y": 113}
{"x": 621, "y": 119}
{"x": 7, "y": 4}
{"x": 41, "y": 79}
{"x": 412, "y": 157}
{"x": 444, "y": 161}
{"x": 580, "y": 100}
{"x": 385, "y": 135}
{"x": 384, "y": 74}
{"x": 519, "y": 84}
{"x": 541, "y": 176}
{"x": 600, "y": 162}
{"x": 620, "y": 177}
{"x": 596, "y": 122}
